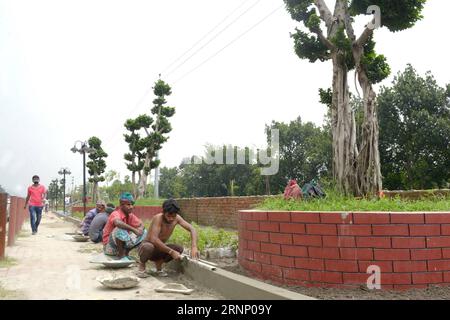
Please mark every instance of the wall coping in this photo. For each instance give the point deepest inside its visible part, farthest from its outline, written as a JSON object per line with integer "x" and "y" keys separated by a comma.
{"x": 343, "y": 211}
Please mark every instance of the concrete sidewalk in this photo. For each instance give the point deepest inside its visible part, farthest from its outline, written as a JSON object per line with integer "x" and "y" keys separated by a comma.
{"x": 50, "y": 265}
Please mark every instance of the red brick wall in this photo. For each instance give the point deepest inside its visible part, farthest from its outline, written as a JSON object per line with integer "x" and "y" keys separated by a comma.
{"x": 220, "y": 212}
{"x": 143, "y": 212}
{"x": 328, "y": 249}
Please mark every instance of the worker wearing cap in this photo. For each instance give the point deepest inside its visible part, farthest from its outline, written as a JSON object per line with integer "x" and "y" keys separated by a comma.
{"x": 99, "y": 222}
{"x": 86, "y": 223}
{"x": 124, "y": 231}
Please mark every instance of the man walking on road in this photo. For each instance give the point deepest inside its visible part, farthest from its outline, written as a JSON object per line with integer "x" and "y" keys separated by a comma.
{"x": 36, "y": 195}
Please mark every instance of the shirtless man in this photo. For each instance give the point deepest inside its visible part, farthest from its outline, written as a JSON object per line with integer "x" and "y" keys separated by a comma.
{"x": 153, "y": 248}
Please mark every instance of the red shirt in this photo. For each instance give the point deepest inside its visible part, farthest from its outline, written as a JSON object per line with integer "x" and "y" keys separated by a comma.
{"x": 132, "y": 220}
{"x": 36, "y": 195}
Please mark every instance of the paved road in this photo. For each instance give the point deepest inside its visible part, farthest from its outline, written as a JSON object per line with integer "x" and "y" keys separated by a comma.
{"x": 50, "y": 265}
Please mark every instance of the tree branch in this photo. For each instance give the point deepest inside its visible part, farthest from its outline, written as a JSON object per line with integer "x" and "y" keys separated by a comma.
{"x": 324, "y": 39}
{"x": 325, "y": 12}
{"x": 365, "y": 35}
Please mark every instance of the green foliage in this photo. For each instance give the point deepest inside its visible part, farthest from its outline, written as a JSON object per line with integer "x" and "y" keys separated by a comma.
{"x": 344, "y": 45}
{"x": 396, "y": 15}
{"x": 375, "y": 65}
{"x": 208, "y": 237}
{"x": 144, "y": 143}
{"x": 414, "y": 120}
{"x": 309, "y": 47}
{"x": 336, "y": 202}
{"x": 305, "y": 153}
{"x": 97, "y": 165}
{"x": 300, "y": 10}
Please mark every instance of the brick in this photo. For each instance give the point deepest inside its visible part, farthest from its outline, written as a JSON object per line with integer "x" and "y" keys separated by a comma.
{"x": 261, "y": 257}
{"x": 440, "y": 218}
{"x": 271, "y": 271}
{"x": 427, "y": 278}
{"x": 390, "y": 230}
{"x": 270, "y": 248}
{"x": 323, "y": 253}
{"x": 292, "y": 227}
{"x": 281, "y": 238}
{"x": 338, "y": 242}
{"x": 438, "y": 242}
{"x": 408, "y": 243}
{"x": 282, "y": 261}
{"x": 336, "y": 218}
{"x": 439, "y": 265}
{"x": 341, "y": 265}
{"x": 252, "y": 225}
{"x": 406, "y": 287}
{"x": 247, "y": 235}
{"x": 418, "y": 218}
{"x": 446, "y": 253}
{"x": 373, "y": 242}
{"x": 385, "y": 266}
{"x": 355, "y": 278}
{"x": 305, "y": 217}
{"x": 279, "y": 216}
{"x": 445, "y": 229}
{"x": 307, "y": 240}
{"x": 294, "y": 251}
{"x": 247, "y": 254}
{"x": 425, "y": 230}
{"x": 353, "y": 230}
{"x": 310, "y": 263}
{"x": 242, "y": 244}
{"x": 395, "y": 278}
{"x": 259, "y": 216}
{"x": 296, "y": 274}
{"x": 321, "y": 229}
{"x": 410, "y": 266}
{"x": 446, "y": 277}
{"x": 356, "y": 254}
{"x": 426, "y": 254}
{"x": 269, "y": 226}
{"x": 392, "y": 254}
{"x": 246, "y": 215}
{"x": 326, "y": 276}
{"x": 253, "y": 245}
{"x": 371, "y": 218}
{"x": 260, "y": 236}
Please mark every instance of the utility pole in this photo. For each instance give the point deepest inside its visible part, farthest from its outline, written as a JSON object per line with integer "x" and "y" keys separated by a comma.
{"x": 64, "y": 171}
{"x": 83, "y": 149}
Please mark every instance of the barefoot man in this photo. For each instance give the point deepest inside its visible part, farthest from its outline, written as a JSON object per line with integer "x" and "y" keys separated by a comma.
{"x": 153, "y": 248}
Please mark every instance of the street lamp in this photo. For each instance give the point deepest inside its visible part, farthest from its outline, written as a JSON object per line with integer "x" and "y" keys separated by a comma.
{"x": 83, "y": 149}
{"x": 64, "y": 171}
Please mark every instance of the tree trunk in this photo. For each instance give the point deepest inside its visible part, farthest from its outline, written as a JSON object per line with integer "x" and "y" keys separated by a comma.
{"x": 133, "y": 182}
{"x": 345, "y": 149}
{"x": 369, "y": 167}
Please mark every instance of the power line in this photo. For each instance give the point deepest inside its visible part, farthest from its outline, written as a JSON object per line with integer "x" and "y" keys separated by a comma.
{"x": 213, "y": 38}
{"x": 204, "y": 37}
{"x": 113, "y": 135}
{"x": 229, "y": 44}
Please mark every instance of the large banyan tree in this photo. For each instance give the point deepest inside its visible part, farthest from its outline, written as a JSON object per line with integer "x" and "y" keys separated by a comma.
{"x": 330, "y": 35}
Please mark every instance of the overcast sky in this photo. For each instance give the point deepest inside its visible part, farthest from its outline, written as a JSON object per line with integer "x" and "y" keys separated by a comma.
{"x": 70, "y": 70}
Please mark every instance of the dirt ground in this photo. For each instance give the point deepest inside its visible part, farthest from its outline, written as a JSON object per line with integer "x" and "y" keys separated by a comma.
{"x": 51, "y": 265}
{"x": 433, "y": 293}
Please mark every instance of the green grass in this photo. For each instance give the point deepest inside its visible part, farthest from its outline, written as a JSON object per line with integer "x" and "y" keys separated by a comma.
{"x": 208, "y": 237}
{"x": 335, "y": 202}
{"x": 139, "y": 202}
{"x": 7, "y": 262}
{"x": 78, "y": 215}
